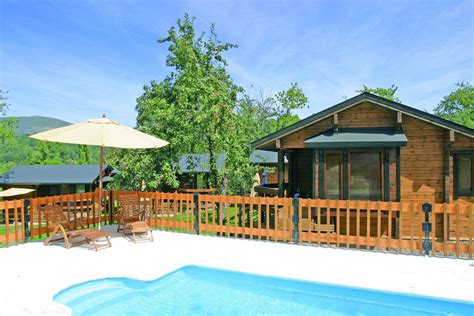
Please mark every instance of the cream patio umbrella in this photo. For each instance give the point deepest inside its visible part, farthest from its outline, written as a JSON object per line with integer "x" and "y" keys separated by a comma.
{"x": 101, "y": 132}
{"x": 15, "y": 192}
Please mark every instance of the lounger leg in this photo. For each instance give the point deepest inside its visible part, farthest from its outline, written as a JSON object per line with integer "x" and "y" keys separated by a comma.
{"x": 66, "y": 239}
{"x": 48, "y": 240}
{"x": 151, "y": 235}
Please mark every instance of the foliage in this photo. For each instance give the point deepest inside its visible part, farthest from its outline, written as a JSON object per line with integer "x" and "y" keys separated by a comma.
{"x": 458, "y": 106}
{"x": 25, "y": 150}
{"x": 192, "y": 108}
{"x": 387, "y": 93}
{"x": 7, "y": 126}
{"x": 198, "y": 108}
{"x": 286, "y": 102}
{"x": 84, "y": 154}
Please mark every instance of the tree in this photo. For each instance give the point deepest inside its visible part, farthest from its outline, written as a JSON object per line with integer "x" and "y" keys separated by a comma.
{"x": 193, "y": 107}
{"x": 7, "y": 125}
{"x": 286, "y": 102}
{"x": 84, "y": 153}
{"x": 458, "y": 106}
{"x": 387, "y": 93}
{"x": 46, "y": 153}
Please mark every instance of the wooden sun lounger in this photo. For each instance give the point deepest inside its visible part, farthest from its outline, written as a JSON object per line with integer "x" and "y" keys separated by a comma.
{"x": 65, "y": 230}
{"x": 132, "y": 220}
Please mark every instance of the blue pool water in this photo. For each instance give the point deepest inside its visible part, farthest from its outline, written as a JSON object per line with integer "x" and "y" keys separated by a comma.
{"x": 194, "y": 290}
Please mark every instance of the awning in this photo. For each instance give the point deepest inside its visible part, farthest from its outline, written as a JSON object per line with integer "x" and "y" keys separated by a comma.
{"x": 358, "y": 138}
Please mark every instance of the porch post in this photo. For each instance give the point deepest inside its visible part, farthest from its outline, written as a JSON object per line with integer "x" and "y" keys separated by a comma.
{"x": 281, "y": 172}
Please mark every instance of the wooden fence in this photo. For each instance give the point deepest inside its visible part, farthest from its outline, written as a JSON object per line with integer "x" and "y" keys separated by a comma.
{"x": 379, "y": 226}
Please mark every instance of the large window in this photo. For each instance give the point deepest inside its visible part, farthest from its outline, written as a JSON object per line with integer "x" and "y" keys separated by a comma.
{"x": 365, "y": 176}
{"x": 359, "y": 174}
{"x": 465, "y": 175}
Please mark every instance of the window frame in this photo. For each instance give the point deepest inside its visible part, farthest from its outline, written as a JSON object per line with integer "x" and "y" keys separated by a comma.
{"x": 457, "y": 186}
{"x": 345, "y": 169}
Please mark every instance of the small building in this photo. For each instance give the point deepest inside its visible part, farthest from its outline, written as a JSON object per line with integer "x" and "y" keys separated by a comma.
{"x": 195, "y": 167}
{"x": 51, "y": 180}
{"x": 371, "y": 148}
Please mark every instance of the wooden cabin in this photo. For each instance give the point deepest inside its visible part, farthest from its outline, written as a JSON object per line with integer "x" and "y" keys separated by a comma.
{"x": 51, "y": 180}
{"x": 371, "y": 148}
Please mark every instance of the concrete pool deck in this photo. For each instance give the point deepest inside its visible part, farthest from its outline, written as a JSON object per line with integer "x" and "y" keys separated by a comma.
{"x": 32, "y": 274}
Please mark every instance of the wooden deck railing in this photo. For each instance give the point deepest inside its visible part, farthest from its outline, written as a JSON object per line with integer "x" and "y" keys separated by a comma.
{"x": 380, "y": 226}
{"x": 12, "y": 219}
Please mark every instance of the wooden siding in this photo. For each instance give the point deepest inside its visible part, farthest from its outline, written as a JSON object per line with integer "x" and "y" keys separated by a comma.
{"x": 363, "y": 115}
{"x": 421, "y": 162}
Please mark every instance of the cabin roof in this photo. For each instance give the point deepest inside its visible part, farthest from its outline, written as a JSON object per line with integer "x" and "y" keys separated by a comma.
{"x": 363, "y": 97}
{"x": 51, "y": 174}
{"x": 199, "y": 163}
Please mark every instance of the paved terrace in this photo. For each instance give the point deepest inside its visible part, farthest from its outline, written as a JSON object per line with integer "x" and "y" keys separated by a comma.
{"x": 31, "y": 274}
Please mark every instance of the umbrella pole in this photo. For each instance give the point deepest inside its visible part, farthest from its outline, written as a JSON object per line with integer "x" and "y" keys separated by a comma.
{"x": 100, "y": 182}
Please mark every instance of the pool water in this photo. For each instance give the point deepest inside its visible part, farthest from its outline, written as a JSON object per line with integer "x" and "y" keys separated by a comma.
{"x": 194, "y": 290}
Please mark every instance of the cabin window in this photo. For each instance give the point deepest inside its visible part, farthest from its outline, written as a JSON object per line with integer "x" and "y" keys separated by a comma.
{"x": 358, "y": 174}
{"x": 333, "y": 176}
{"x": 464, "y": 175}
{"x": 365, "y": 176}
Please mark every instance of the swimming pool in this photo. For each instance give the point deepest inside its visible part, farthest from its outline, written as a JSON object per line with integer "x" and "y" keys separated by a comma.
{"x": 194, "y": 290}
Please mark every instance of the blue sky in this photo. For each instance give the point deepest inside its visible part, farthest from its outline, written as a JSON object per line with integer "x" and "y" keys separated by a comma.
{"x": 78, "y": 59}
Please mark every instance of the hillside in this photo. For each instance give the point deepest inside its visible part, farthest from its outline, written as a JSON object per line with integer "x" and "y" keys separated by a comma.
{"x": 27, "y": 125}
{"x": 25, "y": 150}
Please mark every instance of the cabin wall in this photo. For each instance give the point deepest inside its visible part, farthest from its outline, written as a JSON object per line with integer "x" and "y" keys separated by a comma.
{"x": 363, "y": 115}
{"x": 421, "y": 162}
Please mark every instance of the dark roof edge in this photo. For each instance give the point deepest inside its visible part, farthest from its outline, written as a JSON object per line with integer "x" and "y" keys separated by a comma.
{"x": 434, "y": 119}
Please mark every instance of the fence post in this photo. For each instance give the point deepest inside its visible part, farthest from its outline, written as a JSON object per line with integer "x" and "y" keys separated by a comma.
{"x": 26, "y": 224}
{"x": 426, "y": 226}
{"x": 111, "y": 207}
{"x": 296, "y": 218}
{"x": 196, "y": 213}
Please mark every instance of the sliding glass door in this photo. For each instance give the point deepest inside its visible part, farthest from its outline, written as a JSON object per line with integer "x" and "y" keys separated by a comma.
{"x": 354, "y": 174}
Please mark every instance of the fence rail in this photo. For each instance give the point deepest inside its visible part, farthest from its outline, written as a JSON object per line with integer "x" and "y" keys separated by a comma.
{"x": 446, "y": 230}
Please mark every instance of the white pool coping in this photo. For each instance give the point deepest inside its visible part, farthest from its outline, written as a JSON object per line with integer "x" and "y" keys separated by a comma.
{"x": 32, "y": 274}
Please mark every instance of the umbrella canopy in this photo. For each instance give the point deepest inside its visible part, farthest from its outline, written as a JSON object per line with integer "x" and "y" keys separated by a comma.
{"x": 15, "y": 192}
{"x": 101, "y": 132}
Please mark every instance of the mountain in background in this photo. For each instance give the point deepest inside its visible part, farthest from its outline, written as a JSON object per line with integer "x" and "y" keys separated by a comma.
{"x": 24, "y": 150}
{"x": 28, "y": 125}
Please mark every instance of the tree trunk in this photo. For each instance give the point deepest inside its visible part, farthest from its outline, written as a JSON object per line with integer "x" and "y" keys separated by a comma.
{"x": 213, "y": 172}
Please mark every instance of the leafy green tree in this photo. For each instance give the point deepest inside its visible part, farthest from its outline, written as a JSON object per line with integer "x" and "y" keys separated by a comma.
{"x": 46, "y": 153}
{"x": 84, "y": 153}
{"x": 387, "y": 93}
{"x": 458, "y": 106}
{"x": 286, "y": 102}
{"x": 7, "y": 125}
{"x": 193, "y": 107}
